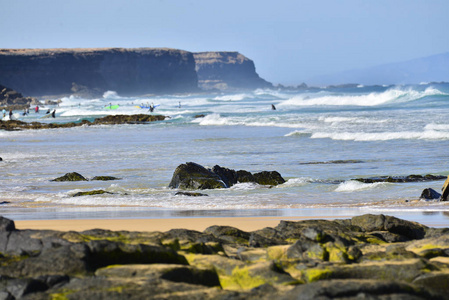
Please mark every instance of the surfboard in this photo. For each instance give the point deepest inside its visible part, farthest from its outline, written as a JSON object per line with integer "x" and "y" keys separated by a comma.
{"x": 13, "y": 117}
{"x": 112, "y": 107}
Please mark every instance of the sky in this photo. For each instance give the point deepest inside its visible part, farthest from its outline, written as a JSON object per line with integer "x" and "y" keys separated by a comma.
{"x": 289, "y": 41}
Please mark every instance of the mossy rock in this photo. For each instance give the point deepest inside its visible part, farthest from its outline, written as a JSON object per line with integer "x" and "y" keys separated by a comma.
{"x": 105, "y": 178}
{"x": 74, "y": 176}
{"x": 269, "y": 178}
{"x": 91, "y": 193}
{"x": 193, "y": 176}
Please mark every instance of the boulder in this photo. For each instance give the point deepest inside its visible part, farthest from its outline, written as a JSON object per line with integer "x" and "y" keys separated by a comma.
{"x": 90, "y": 193}
{"x": 430, "y": 194}
{"x": 71, "y": 177}
{"x": 268, "y": 178}
{"x": 193, "y": 176}
{"x": 6, "y": 224}
{"x": 445, "y": 190}
{"x": 190, "y": 194}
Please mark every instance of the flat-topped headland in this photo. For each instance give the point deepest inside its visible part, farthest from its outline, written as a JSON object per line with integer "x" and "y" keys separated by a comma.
{"x": 89, "y": 72}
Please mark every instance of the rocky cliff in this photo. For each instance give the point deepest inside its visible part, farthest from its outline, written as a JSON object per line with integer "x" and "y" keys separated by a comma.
{"x": 37, "y": 72}
{"x": 227, "y": 71}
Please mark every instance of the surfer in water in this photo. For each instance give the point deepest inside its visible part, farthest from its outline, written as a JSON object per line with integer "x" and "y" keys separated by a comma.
{"x": 53, "y": 113}
{"x": 36, "y": 110}
{"x": 4, "y": 112}
{"x": 48, "y": 111}
{"x": 273, "y": 107}
{"x": 151, "y": 107}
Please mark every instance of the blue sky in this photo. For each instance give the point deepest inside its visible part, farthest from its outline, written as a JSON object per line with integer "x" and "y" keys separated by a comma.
{"x": 289, "y": 41}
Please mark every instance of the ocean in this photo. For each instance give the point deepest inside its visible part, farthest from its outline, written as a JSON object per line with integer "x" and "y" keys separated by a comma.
{"x": 318, "y": 139}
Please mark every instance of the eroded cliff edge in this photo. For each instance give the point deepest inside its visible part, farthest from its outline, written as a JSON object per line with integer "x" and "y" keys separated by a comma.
{"x": 38, "y": 72}
{"x": 227, "y": 71}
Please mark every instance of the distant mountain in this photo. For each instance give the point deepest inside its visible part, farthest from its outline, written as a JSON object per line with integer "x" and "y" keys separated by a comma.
{"x": 433, "y": 68}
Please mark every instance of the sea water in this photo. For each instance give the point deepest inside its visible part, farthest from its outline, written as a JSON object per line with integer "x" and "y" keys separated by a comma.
{"x": 318, "y": 139}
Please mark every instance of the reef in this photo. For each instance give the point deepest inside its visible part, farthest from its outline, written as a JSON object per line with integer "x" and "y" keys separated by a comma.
{"x": 368, "y": 256}
{"x": 108, "y": 120}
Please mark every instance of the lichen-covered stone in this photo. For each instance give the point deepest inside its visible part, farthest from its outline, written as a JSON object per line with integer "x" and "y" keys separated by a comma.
{"x": 193, "y": 176}
{"x": 74, "y": 176}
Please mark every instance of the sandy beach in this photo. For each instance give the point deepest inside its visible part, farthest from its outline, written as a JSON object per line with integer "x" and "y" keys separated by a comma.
{"x": 199, "y": 224}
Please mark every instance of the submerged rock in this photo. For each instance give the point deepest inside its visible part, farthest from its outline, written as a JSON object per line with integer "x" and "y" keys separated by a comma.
{"x": 90, "y": 193}
{"x": 74, "y": 176}
{"x": 105, "y": 178}
{"x": 194, "y": 176}
{"x": 398, "y": 179}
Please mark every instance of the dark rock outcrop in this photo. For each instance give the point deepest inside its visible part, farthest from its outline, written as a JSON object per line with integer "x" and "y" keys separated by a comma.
{"x": 311, "y": 259}
{"x": 430, "y": 194}
{"x": 139, "y": 71}
{"x": 227, "y": 71}
{"x": 399, "y": 179}
{"x": 74, "y": 176}
{"x": 108, "y": 120}
{"x": 10, "y": 99}
{"x": 194, "y": 176}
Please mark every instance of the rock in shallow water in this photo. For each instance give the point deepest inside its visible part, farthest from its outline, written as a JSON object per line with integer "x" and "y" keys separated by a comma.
{"x": 194, "y": 176}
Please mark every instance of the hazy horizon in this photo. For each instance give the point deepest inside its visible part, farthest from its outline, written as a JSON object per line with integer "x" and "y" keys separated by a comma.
{"x": 289, "y": 41}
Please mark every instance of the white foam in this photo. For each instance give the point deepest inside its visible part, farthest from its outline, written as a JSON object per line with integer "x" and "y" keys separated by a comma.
{"x": 354, "y": 186}
{"x": 382, "y": 136}
{"x": 301, "y": 181}
{"x": 394, "y": 95}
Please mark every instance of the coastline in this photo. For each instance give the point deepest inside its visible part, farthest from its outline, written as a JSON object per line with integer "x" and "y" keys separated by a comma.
{"x": 198, "y": 224}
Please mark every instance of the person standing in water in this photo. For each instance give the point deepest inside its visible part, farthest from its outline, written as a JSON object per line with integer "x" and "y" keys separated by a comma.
{"x": 4, "y": 112}
{"x": 273, "y": 107}
{"x": 53, "y": 113}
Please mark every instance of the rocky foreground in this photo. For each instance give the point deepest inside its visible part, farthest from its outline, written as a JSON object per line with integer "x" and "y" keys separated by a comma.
{"x": 366, "y": 257}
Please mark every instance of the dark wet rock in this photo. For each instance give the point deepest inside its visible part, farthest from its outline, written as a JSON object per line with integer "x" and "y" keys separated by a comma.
{"x": 430, "y": 194}
{"x": 269, "y": 178}
{"x": 105, "y": 178}
{"x": 229, "y": 234}
{"x": 199, "y": 116}
{"x": 407, "y": 229}
{"x": 190, "y": 194}
{"x": 74, "y": 176}
{"x": 357, "y": 289}
{"x": 399, "y": 179}
{"x": 445, "y": 190}
{"x": 128, "y": 119}
{"x": 6, "y": 224}
{"x": 91, "y": 193}
{"x": 194, "y": 176}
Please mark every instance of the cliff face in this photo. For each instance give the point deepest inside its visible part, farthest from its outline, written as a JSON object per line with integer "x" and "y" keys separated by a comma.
{"x": 126, "y": 71}
{"x": 227, "y": 71}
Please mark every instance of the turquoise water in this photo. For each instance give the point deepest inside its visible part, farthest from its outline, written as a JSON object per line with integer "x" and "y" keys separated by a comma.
{"x": 318, "y": 139}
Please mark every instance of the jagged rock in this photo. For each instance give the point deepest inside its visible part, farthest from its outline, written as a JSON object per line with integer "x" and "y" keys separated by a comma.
{"x": 445, "y": 190}
{"x": 74, "y": 176}
{"x": 430, "y": 194}
{"x": 128, "y": 119}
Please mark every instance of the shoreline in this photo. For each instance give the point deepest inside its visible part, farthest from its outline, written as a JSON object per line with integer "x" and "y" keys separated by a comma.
{"x": 197, "y": 223}
{"x": 162, "y": 224}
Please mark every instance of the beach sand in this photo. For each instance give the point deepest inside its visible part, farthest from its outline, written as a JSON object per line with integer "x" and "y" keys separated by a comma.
{"x": 199, "y": 224}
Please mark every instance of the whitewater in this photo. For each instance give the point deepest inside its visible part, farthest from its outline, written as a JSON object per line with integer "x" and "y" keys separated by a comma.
{"x": 318, "y": 139}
